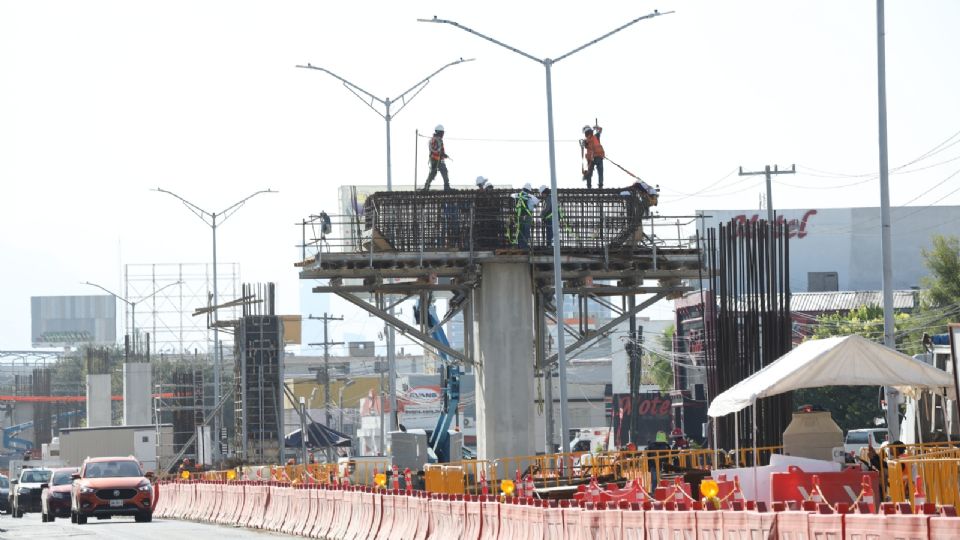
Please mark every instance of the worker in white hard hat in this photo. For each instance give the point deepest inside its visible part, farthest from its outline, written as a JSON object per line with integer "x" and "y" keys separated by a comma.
{"x": 526, "y": 202}
{"x": 546, "y": 213}
{"x": 593, "y": 152}
{"x": 437, "y": 157}
{"x": 481, "y": 181}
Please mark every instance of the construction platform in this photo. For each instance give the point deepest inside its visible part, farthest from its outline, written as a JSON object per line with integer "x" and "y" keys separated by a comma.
{"x": 494, "y": 265}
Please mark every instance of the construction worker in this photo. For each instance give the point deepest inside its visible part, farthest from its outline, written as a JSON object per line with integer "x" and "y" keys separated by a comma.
{"x": 593, "y": 151}
{"x": 482, "y": 182}
{"x": 437, "y": 155}
{"x": 546, "y": 214}
{"x": 525, "y": 204}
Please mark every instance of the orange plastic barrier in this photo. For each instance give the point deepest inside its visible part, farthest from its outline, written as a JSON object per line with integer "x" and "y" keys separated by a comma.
{"x": 388, "y": 521}
{"x": 793, "y": 526}
{"x": 825, "y": 526}
{"x": 907, "y": 527}
{"x": 295, "y": 510}
{"x": 344, "y": 516}
{"x": 473, "y": 511}
{"x": 671, "y": 524}
{"x": 489, "y": 518}
{"x": 944, "y": 528}
{"x": 533, "y": 518}
{"x": 633, "y": 524}
{"x": 590, "y": 523}
{"x": 309, "y": 501}
{"x": 258, "y": 510}
{"x": 457, "y": 511}
{"x": 710, "y": 525}
{"x": 437, "y": 508}
{"x": 422, "y": 503}
{"x": 571, "y": 523}
{"x": 325, "y": 511}
{"x": 611, "y": 523}
{"x": 747, "y": 525}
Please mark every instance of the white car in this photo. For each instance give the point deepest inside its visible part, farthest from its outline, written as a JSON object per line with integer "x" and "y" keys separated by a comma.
{"x": 858, "y": 439}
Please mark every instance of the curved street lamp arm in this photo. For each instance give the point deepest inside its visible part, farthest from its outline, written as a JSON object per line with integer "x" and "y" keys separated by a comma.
{"x": 236, "y": 206}
{"x": 154, "y": 293}
{"x": 478, "y": 34}
{"x": 365, "y": 102}
{"x": 612, "y": 32}
{"x": 200, "y": 212}
{"x": 111, "y": 293}
{"x": 345, "y": 82}
{"x": 423, "y": 83}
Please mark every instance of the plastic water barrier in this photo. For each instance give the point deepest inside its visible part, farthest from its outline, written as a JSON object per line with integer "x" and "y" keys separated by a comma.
{"x": 362, "y": 513}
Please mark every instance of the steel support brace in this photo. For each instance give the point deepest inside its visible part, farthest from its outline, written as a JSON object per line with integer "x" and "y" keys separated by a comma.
{"x": 575, "y": 347}
{"x": 404, "y": 327}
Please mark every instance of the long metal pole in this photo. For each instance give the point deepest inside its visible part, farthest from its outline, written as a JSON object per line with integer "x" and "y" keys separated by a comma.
{"x": 391, "y": 341}
{"x": 133, "y": 324}
{"x": 557, "y": 279}
{"x": 893, "y": 414}
{"x": 766, "y": 171}
{"x": 216, "y": 346}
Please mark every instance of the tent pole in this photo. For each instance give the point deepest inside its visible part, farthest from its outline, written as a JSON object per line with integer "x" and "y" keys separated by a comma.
{"x": 756, "y": 461}
{"x": 736, "y": 436}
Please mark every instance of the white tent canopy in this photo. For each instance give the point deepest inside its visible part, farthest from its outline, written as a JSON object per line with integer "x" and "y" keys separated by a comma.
{"x": 838, "y": 361}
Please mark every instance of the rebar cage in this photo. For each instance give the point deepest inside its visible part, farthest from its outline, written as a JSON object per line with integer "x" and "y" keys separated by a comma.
{"x": 486, "y": 220}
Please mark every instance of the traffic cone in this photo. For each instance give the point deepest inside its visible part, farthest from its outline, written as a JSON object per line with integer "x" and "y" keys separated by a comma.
{"x": 919, "y": 496}
{"x": 866, "y": 490}
{"x": 519, "y": 485}
{"x": 594, "y": 490}
{"x": 678, "y": 490}
{"x": 408, "y": 479}
{"x": 396, "y": 478}
{"x": 484, "y": 490}
{"x": 529, "y": 487}
{"x": 737, "y": 492}
{"x": 346, "y": 477}
{"x": 815, "y": 491}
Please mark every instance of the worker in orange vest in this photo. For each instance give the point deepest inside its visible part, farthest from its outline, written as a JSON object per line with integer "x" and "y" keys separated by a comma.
{"x": 593, "y": 151}
{"x": 437, "y": 155}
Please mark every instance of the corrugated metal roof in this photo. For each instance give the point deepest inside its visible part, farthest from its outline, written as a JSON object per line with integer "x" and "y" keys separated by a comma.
{"x": 819, "y": 302}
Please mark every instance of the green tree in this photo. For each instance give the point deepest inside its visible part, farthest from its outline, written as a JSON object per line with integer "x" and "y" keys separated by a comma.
{"x": 661, "y": 369}
{"x": 942, "y": 286}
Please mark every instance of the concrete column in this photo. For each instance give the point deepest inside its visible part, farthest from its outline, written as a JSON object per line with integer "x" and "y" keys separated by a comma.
{"x": 505, "y": 352}
{"x": 98, "y": 401}
{"x": 136, "y": 394}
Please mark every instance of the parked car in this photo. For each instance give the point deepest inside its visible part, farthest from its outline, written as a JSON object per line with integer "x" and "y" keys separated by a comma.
{"x": 26, "y": 490}
{"x": 858, "y": 439}
{"x": 111, "y": 486}
{"x": 55, "y": 497}
{"x": 4, "y": 494}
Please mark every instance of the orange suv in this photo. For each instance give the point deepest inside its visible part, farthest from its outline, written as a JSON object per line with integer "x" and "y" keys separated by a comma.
{"x": 111, "y": 486}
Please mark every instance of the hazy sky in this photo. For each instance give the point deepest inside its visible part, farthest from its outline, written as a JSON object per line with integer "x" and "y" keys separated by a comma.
{"x": 102, "y": 101}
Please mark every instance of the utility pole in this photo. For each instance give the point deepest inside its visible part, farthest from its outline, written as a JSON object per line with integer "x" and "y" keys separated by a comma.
{"x": 326, "y": 368}
{"x": 891, "y": 395}
{"x": 769, "y": 174}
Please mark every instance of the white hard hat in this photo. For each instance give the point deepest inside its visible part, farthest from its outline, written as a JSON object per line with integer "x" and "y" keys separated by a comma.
{"x": 543, "y": 187}
{"x": 586, "y": 129}
{"x": 527, "y": 187}
{"x": 481, "y": 180}
{"x": 439, "y": 127}
{"x": 488, "y": 184}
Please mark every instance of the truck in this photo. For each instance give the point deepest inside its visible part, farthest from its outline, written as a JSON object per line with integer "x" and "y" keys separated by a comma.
{"x": 591, "y": 439}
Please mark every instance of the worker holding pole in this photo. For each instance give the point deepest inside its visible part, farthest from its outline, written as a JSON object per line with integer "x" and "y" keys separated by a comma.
{"x": 593, "y": 151}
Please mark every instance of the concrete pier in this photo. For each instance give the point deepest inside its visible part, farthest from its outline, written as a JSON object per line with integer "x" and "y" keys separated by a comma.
{"x": 136, "y": 394}
{"x": 98, "y": 401}
{"x": 504, "y": 352}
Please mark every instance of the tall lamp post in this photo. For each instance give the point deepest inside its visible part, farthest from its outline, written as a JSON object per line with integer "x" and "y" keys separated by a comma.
{"x": 133, "y": 305}
{"x": 210, "y": 218}
{"x": 547, "y": 64}
{"x": 346, "y": 383}
{"x": 369, "y": 99}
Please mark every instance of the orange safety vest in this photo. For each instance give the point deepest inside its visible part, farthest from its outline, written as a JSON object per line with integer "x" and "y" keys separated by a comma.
{"x": 594, "y": 148}
{"x": 436, "y": 148}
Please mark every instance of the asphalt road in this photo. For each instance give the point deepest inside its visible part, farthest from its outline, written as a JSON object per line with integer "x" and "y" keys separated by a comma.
{"x": 122, "y": 528}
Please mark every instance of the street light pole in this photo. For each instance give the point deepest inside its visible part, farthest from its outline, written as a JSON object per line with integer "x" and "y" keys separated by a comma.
{"x": 369, "y": 99}
{"x": 217, "y": 356}
{"x": 346, "y": 383}
{"x": 547, "y": 64}
{"x": 133, "y": 305}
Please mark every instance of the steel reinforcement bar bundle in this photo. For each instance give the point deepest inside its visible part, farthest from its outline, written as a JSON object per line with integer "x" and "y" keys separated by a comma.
{"x": 486, "y": 220}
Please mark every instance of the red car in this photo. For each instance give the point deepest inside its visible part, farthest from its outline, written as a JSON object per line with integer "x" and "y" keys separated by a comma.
{"x": 55, "y": 498}
{"x": 111, "y": 486}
